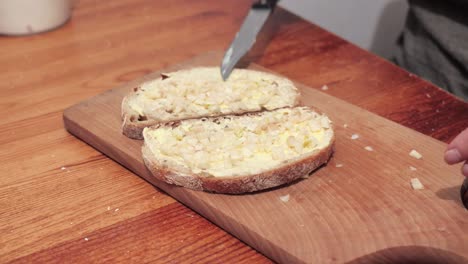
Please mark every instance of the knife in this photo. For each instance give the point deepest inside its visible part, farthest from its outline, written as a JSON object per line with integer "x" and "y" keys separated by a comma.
{"x": 245, "y": 38}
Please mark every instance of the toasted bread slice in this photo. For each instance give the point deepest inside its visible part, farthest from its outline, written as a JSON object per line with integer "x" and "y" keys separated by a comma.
{"x": 238, "y": 154}
{"x": 200, "y": 92}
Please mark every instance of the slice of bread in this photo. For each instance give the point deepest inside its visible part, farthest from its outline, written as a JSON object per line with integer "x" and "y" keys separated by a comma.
{"x": 239, "y": 153}
{"x": 200, "y": 92}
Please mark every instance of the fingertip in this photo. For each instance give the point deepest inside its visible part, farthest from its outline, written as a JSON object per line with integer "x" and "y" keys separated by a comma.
{"x": 452, "y": 156}
{"x": 465, "y": 169}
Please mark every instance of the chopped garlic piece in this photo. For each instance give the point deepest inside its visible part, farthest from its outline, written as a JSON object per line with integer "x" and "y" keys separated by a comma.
{"x": 416, "y": 184}
{"x": 412, "y": 168}
{"x": 325, "y": 87}
{"x": 369, "y": 148}
{"x": 284, "y": 198}
{"x": 345, "y": 125}
{"x": 413, "y": 153}
{"x": 201, "y": 92}
{"x": 355, "y": 136}
{"x": 339, "y": 165}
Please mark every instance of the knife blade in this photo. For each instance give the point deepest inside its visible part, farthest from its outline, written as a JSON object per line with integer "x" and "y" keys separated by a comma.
{"x": 245, "y": 38}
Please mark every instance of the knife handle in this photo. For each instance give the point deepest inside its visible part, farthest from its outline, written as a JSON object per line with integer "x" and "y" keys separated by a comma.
{"x": 265, "y": 4}
{"x": 464, "y": 193}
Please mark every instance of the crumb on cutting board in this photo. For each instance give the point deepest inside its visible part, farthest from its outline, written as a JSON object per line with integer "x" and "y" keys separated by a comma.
{"x": 285, "y": 198}
{"x": 416, "y": 184}
{"x": 413, "y": 153}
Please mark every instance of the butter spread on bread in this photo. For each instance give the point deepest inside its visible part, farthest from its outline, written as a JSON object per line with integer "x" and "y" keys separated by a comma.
{"x": 201, "y": 92}
{"x": 237, "y": 154}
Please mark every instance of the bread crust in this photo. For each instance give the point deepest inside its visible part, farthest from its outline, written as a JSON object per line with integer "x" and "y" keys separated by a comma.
{"x": 130, "y": 128}
{"x": 240, "y": 184}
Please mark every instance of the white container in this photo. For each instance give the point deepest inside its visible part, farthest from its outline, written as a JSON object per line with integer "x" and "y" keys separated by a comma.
{"x": 24, "y": 17}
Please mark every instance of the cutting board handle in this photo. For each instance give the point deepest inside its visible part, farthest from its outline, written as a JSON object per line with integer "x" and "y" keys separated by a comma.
{"x": 464, "y": 193}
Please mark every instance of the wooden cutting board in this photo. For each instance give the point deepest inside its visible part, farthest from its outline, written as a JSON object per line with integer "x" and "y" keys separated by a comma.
{"x": 360, "y": 207}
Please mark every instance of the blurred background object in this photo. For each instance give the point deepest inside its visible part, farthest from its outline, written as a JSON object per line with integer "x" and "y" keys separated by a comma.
{"x": 371, "y": 24}
{"x": 24, "y": 17}
{"x": 426, "y": 38}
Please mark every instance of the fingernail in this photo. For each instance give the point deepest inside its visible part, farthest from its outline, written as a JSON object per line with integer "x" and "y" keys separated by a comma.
{"x": 452, "y": 156}
{"x": 465, "y": 170}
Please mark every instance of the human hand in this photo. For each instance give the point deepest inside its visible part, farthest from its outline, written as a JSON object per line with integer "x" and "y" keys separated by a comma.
{"x": 457, "y": 151}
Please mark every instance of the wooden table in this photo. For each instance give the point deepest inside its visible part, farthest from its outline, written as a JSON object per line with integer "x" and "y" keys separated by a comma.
{"x": 62, "y": 200}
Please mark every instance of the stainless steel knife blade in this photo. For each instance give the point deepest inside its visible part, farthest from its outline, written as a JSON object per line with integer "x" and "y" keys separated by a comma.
{"x": 245, "y": 38}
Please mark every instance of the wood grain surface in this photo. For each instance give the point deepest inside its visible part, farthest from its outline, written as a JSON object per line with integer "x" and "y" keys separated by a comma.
{"x": 368, "y": 201}
{"x": 55, "y": 190}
